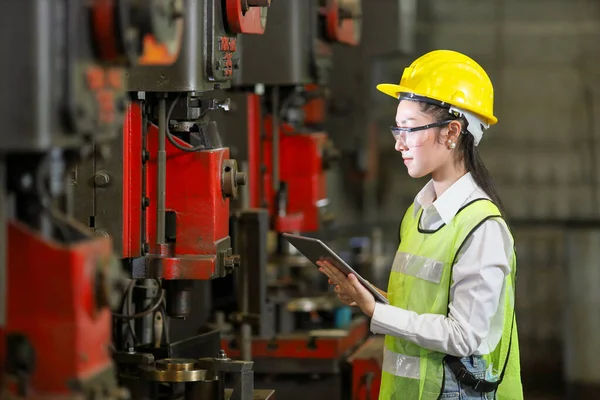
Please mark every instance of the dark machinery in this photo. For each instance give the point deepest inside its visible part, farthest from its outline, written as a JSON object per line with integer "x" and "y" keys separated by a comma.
{"x": 164, "y": 199}
{"x": 283, "y": 318}
{"x": 64, "y": 99}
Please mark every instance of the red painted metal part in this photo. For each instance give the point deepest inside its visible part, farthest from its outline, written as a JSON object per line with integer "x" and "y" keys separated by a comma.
{"x": 341, "y": 30}
{"x": 254, "y": 147}
{"x": 195, "y": 193}
{"x": 289, "y": 222}
{"x": 301, "y": 167}
{"x": 132, "y": 182}
{"x": 240, "y": 22}
{"x": 315, "y": 108}
{"x": 51, "y": 301}
{"x": 302, "y": 345}
{"x": 366, "y": 369}
{"x": 104, "y": 29}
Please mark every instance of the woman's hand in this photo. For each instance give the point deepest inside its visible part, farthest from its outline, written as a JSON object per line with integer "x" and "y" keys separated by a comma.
{"x": 343, "y": 296}
{"x": 349, "y": 289}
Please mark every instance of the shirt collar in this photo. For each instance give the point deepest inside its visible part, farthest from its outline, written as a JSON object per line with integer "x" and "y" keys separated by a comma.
{"x": 448, "y": 204}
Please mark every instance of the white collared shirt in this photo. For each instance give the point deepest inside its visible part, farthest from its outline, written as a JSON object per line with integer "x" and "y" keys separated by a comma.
{"x": 476, "y": 310}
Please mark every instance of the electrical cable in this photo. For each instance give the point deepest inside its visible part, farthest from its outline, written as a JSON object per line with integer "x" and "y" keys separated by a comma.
{"x": 165, "y": 323}
{"x": 141, "y": 314}
{"x": 129, "y": 310}
{"x": 46, "y": 199}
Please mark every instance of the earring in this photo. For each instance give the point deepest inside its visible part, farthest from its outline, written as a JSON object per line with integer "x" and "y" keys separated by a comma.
{"x": 451, "y": 145}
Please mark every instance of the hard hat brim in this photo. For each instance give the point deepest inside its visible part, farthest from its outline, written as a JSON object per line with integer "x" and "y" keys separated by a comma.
{"x": 392, "y": 90}
{"x": 395, "y": 90}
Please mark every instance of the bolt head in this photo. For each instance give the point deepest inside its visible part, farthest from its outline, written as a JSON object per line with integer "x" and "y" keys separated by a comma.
{"x": 101, "y": 179}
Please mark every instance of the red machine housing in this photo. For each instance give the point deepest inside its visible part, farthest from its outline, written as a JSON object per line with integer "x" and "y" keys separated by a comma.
{"x": 294, "y": 346}
{"x": 366, "y": 369}
{"x": 55, "y": 308}
{"x": 133, "y": 148}
{"x": 301, "y": 167}
{"x": 194, "y": 193}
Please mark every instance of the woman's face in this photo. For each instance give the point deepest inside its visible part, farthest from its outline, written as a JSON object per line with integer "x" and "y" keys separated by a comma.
{"x": 423, "y": 151}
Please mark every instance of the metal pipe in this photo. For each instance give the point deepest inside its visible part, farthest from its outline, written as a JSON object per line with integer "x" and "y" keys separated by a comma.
{"x": 162, "y": 170}
{"x": 246, "y": 339}
{"x": 245, "y": 329}
{"x": 275, "y": 139}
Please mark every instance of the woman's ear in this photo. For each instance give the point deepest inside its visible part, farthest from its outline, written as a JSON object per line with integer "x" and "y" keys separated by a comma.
{"x": 454, "y": 130}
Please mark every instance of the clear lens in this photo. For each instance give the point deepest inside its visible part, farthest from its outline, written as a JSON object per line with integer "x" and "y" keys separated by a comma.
{"x": 410, "y": 139}
{"x": 417, "y": 136}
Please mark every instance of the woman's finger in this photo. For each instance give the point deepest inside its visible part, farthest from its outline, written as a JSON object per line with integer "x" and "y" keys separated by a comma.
{"x": 334, "y": 273}
{"x": 346, "y": 300}
{"x": 326, "y": 272}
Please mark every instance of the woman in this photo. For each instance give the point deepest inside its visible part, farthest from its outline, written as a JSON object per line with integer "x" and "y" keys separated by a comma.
{"x": 450, "y": 327}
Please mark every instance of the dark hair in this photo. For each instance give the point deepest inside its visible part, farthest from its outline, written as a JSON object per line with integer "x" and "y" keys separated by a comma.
{"x": 467, "y": 153}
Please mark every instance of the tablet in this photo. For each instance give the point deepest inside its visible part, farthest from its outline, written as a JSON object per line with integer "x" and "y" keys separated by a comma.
{"x": 315, "y": 250}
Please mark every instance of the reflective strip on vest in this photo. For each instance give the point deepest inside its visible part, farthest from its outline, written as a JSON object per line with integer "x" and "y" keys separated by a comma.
{"x": 401, "y": 365}
{"x": 418, "y": 266}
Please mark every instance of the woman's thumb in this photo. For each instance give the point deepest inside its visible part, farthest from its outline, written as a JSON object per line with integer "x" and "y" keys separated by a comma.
{"x": 357, "y": 285}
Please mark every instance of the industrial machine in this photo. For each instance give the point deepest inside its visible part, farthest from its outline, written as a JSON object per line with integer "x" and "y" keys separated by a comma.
{"x": 279, "y": 312}
{"x": 164, "y": 198}
{"x": 64, "y": 86}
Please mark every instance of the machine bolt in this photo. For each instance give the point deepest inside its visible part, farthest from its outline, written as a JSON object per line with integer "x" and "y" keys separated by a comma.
{"x": 101, "y": 179}
{"x": 240, "y": 178}
{"x": 222, "y": 355}
{"x": 231, "y": 262}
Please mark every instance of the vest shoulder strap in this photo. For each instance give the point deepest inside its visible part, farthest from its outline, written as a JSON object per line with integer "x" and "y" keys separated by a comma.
{"x": 406, "y": 221}
{"x": 470, "y": 217}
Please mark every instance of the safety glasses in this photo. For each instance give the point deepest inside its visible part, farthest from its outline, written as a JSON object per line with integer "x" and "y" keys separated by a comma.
{"x": 417, "y": 136}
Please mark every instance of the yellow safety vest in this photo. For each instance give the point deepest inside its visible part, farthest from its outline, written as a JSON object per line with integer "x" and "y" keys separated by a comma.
{"x": 420, "y": 281}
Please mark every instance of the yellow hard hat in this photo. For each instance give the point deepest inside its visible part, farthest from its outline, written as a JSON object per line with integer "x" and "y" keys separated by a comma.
{"x": 452, "y": 79}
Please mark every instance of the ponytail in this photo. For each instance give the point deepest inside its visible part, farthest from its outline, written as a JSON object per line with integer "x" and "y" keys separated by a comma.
{"x": 474, "y": 164}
